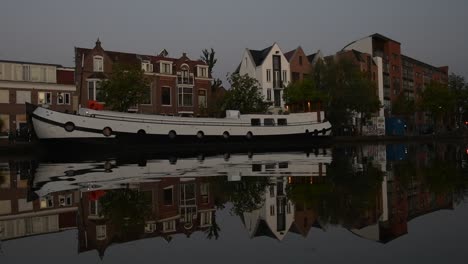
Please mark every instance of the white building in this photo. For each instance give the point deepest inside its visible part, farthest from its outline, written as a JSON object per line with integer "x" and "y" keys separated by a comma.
{"x": 275, "y": 217}
{"x": 271, "y": 69}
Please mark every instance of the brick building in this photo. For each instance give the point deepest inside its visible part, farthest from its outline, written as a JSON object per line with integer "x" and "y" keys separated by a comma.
{"x": 177, "y": 85}
{"x": 23, "y": 214}
{"x": 49, "y": 85}
{"x": 396, "y": 74}
{"x": 301, "y": 65}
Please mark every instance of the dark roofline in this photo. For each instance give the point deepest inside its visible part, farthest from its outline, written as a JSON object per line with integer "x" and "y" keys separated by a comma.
{"x": 32, "y": 63}
{"x": 157, "y": 56}
{"x": 404, "y": 57}
{"x": 377, "y": 35}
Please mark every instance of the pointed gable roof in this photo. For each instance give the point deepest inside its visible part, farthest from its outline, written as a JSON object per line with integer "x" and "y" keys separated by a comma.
{"x": 311, "y": 57}
{"x": 259, "y": 56}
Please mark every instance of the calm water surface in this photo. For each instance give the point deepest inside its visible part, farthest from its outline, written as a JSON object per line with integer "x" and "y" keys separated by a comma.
{"x": 367, "y": 204}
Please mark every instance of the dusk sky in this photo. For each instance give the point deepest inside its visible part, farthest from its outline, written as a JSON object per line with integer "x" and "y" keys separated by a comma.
{"x": 47, "y": 31}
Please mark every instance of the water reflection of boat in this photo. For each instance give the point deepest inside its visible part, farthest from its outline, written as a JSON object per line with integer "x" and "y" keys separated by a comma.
{"x": 52, "y": 177}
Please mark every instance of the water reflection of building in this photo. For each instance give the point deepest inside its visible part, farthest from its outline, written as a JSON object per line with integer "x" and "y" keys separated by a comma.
{"x": 177, "y": 206}
{"x": 404, "y": 194}
{"x": 22, "y": 215}
{"x": 278, "y": 215}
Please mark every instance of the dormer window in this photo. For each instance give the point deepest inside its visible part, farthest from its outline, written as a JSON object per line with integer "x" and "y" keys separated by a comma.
{"x": 146, "y": 66}
{"x": 203, "y": 71}
{"x": 98, "y": 64}
{"x": 166, "y": 68}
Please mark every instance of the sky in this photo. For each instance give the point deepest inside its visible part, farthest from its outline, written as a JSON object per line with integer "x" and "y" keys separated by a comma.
{"x": 48, "y": 30}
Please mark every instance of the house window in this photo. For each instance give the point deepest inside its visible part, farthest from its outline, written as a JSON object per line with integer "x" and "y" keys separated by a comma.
{"x": 150, "y": 227}
{"x": 94, "y": 91}
{"x": 300, "y": 60}
{"x": 288, "y": 208}
{"x": 285, "y": 76}
{"x": 166, "y": 68}
{"x": 268, "y": 94}
{"x": 169, "y": 226}
{"x": 185, "y": 96}
{"x": 202, "y": 102}
{"x": 168, "y": 195}
{"x": 268, "y": 74}
{"x": 23, "y": 97}
{"x": 205, "y": 192}
{"x": 272, "y": 210}
{"x": 63, "y": 98}
{"x": 98, "y": 64}
{"x": 276, "y": 62}
{"x": 101, "y": 232}
{"x": 4, "y": 97}
{"x": 147, "y": 96}
{"x": 166, "y": 96}
{"x": 66, "y": 200}
{"x": 272, "y": 191}
{"x": 202, "y": 72}
{"x": 47, "y": 202}
{"x": 296, "y": 76}
{"x": 146, "y": 66}
{"x": 44, "y": 98}
{"x": 205, "y": 218}
{"x": 26, "y": 73}
{"x": 94, "y": 208}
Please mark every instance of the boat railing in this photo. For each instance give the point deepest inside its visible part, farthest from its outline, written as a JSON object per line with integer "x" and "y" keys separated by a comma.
{"x": 199, "y": 123}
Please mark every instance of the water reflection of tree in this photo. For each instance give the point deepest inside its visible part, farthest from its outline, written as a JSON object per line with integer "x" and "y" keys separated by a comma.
{"x": 347, "y": 195}
{"x": 245, "y": 195}
{"x": 126, "y": 210}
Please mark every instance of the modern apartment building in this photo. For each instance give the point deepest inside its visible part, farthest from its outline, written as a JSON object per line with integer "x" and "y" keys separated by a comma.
{"x": 396, "y": 74}
{"x": 177, "y": 85}
{"x": 43, "y": 84}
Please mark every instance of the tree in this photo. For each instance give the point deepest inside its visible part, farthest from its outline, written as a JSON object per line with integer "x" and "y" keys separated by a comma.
{"x": 126, "y": 87}
{"x": 209, "y": 58}
{"x": 459, "y": 88}
{"x": 301, "y": 93}
{"x": 127, "y": 210}
{"x": 244, "y": 95}
{"x": 349, "y": 92}
{"x": 438, "y": 100}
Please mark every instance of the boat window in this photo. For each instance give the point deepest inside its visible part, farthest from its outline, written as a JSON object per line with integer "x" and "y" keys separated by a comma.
{"x": 282, "y": 122}
{"x": 255, "y": 121}
{"x": 268, "y": 122}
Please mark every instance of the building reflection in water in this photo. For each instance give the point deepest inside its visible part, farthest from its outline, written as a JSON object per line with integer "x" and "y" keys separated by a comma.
{"x": 373, "y": 191}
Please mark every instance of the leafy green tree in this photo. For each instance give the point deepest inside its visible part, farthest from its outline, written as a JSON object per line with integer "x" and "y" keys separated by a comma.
{"x": 209, "y": 58}
{"x": 126, "y": 87}
{"x": 349, "y": 91}
{"x": 301, "y": 93}
{"x": 244, "y": 95}
{"x": 438, "y": 100}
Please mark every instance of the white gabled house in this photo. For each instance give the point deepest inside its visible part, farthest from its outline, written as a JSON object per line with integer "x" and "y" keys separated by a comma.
{"x": 271, "y": 69}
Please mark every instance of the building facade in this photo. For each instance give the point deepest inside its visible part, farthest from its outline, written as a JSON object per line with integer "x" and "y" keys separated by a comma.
{"x": 48, "y": 85}
{"x": 22, "y": 214}
{"x": 302, "y": 65}
{"x": 177, "y": 85}
{"x": 271, "y": 69}
{"x": 397, "y": 74}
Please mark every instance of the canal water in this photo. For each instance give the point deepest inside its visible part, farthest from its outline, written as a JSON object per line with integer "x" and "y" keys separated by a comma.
{"x": 399, "y": 203}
